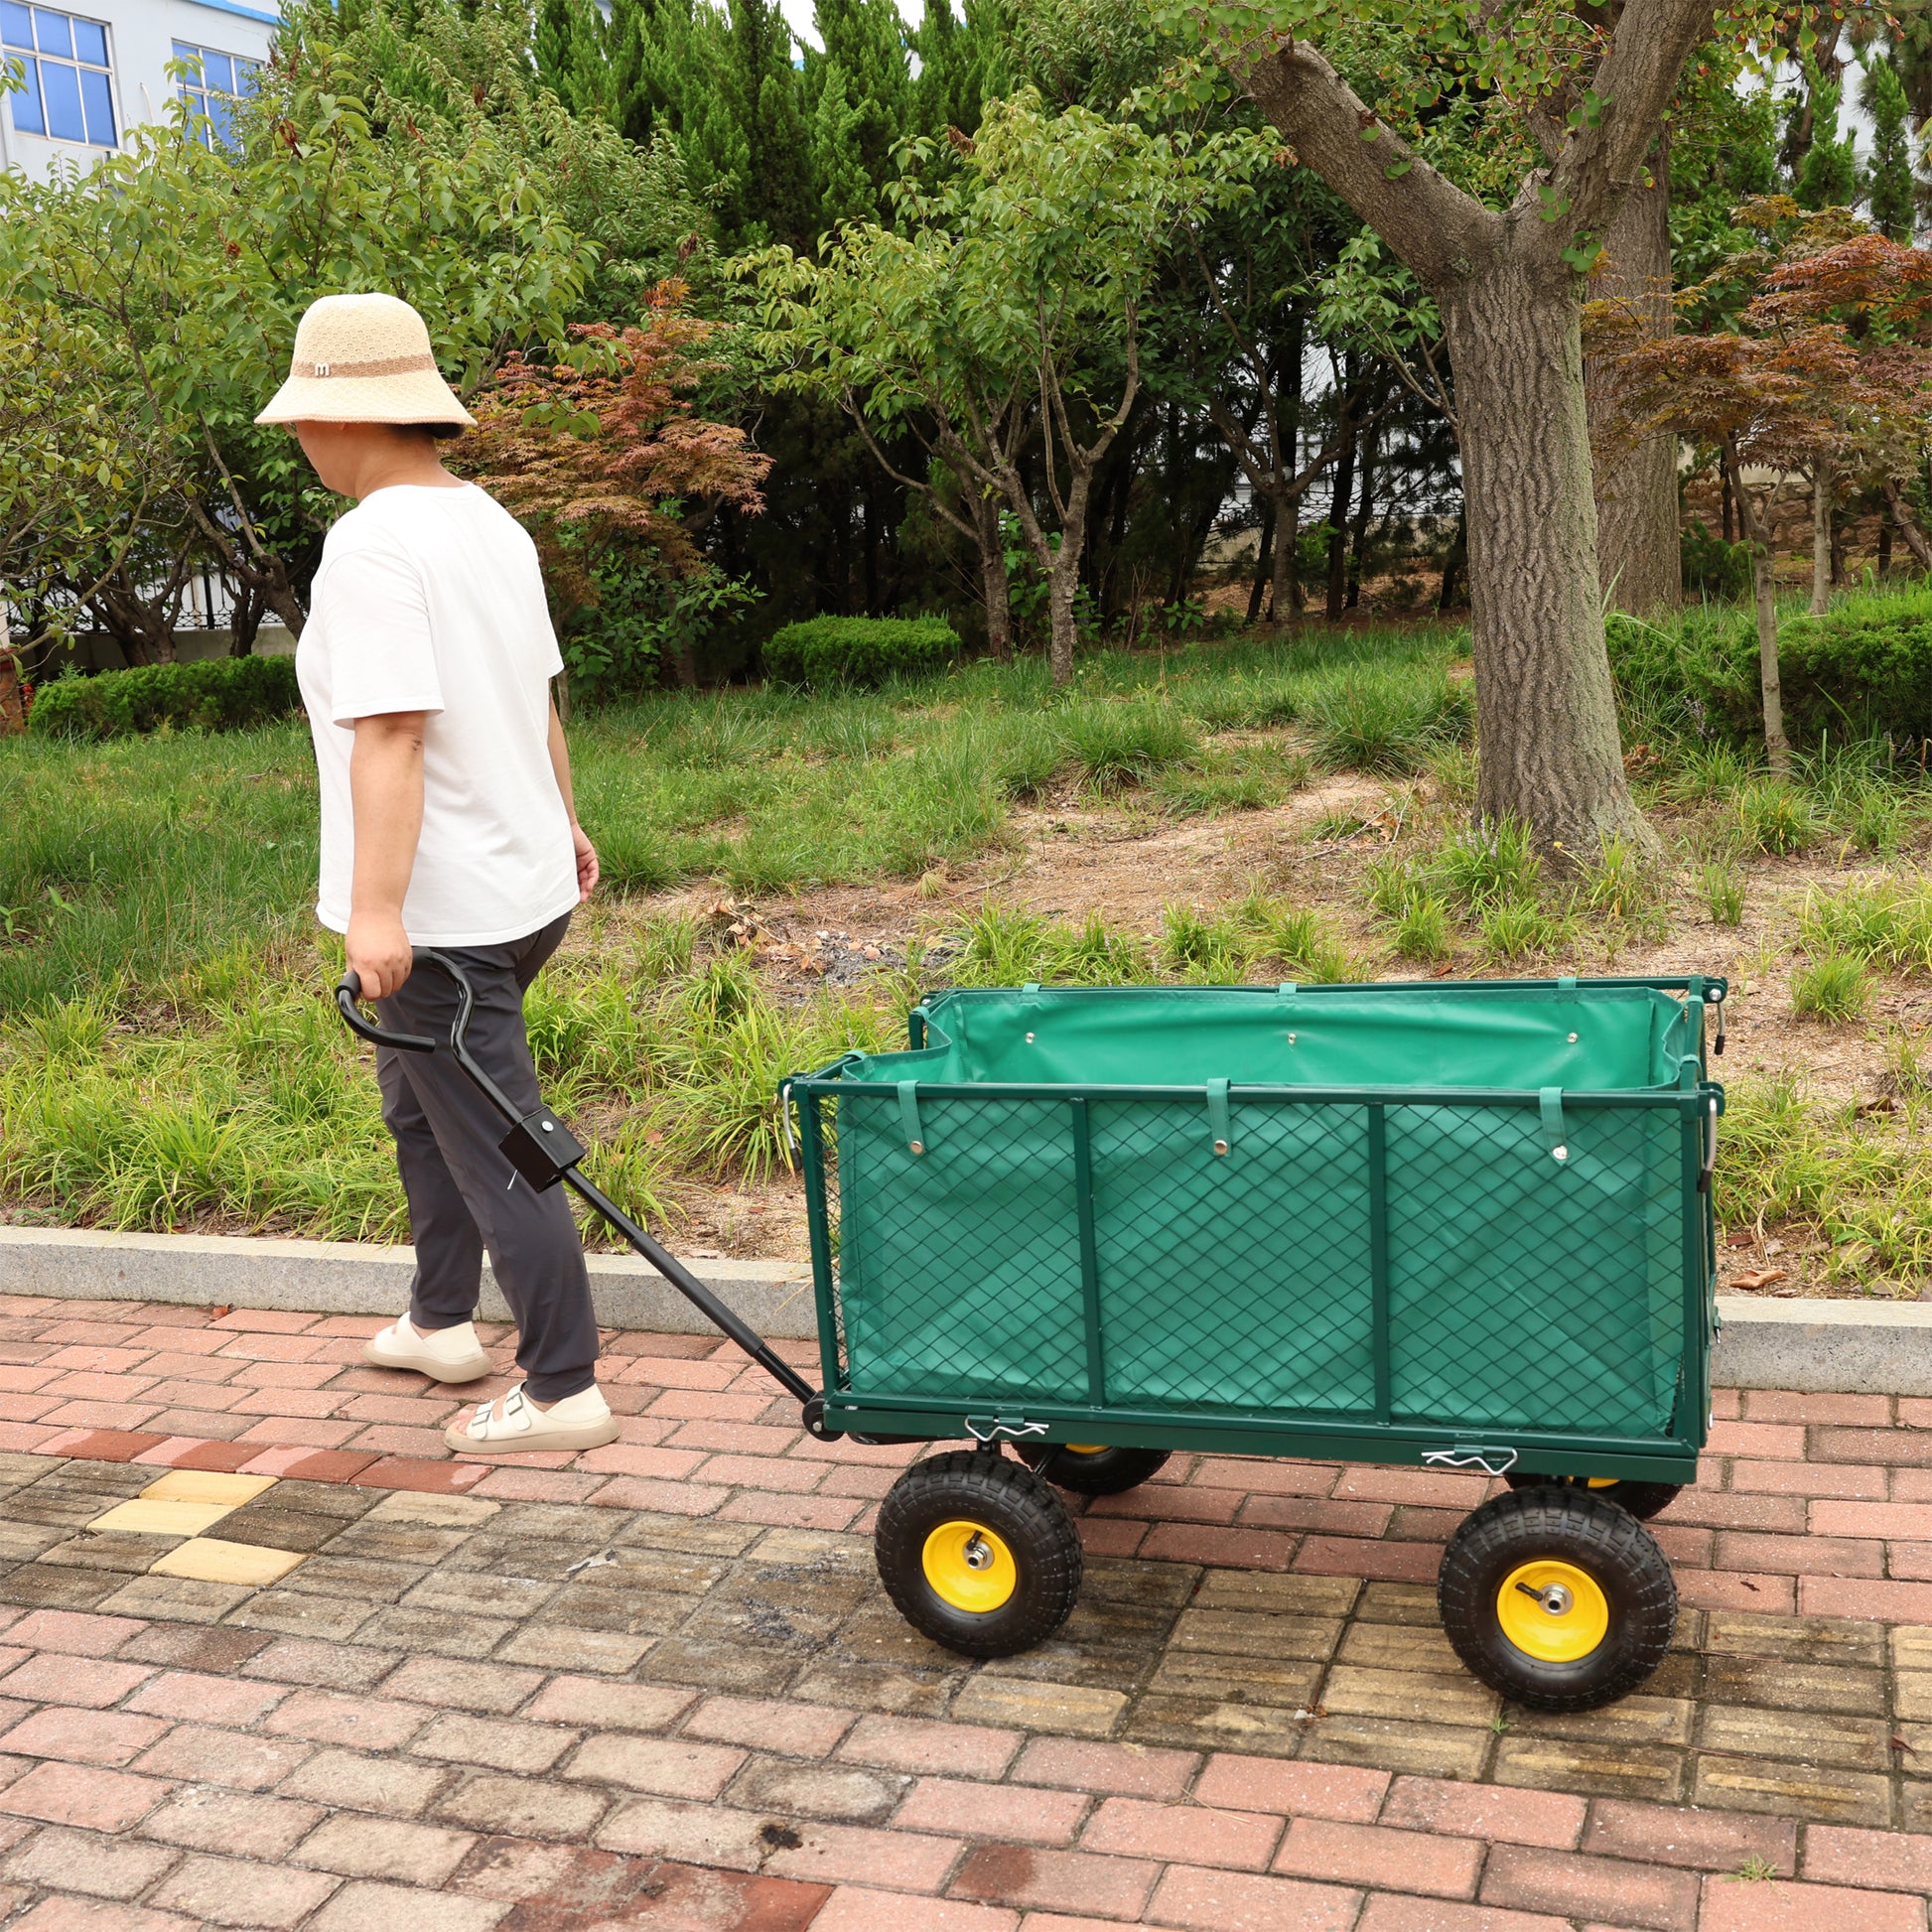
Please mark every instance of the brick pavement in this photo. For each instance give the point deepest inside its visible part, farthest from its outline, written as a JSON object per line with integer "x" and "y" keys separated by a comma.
{"x": 658, "y": 1685}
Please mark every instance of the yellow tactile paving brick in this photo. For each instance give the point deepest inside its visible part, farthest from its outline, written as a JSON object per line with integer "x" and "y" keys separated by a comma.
{"x": 207, "y": 1486}
{"x": 209, "y": 1560}
{"x": 154, "y": 1517}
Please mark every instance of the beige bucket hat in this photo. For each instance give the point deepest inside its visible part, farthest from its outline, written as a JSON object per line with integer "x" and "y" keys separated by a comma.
{"x": 364, "y": 358}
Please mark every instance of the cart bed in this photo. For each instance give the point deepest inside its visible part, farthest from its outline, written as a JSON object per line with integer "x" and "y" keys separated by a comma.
{"x": 1386, "y": 1222}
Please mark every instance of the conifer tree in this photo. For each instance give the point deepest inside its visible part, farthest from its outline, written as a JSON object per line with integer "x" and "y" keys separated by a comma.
{"x": 961, "y": 65}
{"x": 1827, "y": 176}
{"x": 846, "y": 189}
{"x": 1892, "y": 190}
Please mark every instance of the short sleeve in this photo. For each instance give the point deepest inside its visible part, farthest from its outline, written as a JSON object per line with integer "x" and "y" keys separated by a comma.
{"x": 381, "y": 657}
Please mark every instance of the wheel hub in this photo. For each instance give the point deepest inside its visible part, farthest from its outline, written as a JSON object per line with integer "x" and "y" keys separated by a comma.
{"x": 1552, "y": 1610}
{"x": 969, "y": 1567}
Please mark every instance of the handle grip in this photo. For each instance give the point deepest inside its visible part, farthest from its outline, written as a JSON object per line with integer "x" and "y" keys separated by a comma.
{"x": 349, "y": 991}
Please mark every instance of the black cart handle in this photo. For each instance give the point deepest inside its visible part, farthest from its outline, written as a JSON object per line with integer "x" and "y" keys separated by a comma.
{"x": 524, "y": 1151}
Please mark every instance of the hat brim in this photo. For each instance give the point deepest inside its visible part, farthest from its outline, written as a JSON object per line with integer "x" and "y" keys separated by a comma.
{"x": 420, "y": 396}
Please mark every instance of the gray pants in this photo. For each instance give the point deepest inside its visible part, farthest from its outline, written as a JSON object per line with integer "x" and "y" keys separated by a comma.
{"x": 464, "y": 1195}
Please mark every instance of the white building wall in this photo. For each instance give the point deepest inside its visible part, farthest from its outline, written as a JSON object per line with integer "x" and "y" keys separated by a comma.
{"x": 141, "y": 37}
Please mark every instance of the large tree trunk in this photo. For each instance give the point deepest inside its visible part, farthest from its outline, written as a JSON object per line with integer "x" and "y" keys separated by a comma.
{"x": 1639, "y": 562}
{"x": 1546, "y": 710}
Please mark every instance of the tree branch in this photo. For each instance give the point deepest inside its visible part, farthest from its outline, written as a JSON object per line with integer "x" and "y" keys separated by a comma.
{"x": 1635, "y": 81}
{"x": 1435, "y": 228}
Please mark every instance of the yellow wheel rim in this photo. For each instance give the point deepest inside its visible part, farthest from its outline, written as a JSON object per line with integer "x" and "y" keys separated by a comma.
{"x": 1086, "y": 1448}
{"x": 969, "y": 1567}
{"x": 1552, "y": 1611}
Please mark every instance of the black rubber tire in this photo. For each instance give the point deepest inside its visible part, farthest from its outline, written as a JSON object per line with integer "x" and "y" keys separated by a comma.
{"x": 1577, "y": 1527}
{"x": 980, "y": 1486}
{"x": 1642, "y": 1500}
{"x": 1098, "y": 1473}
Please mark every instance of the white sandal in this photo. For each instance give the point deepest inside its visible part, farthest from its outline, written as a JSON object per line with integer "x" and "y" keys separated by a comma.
{"x": 442, "y": 1354}
{"x": 513, "y": 1422}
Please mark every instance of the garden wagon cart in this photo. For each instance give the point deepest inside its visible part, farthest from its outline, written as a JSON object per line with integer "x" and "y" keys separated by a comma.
{"x": 1061, "y": 1223}
{"x": 1461, "y": 1225}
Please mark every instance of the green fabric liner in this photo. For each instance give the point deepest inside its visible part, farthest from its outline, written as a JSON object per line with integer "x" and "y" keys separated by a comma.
{"x": 1524, "y": 1291}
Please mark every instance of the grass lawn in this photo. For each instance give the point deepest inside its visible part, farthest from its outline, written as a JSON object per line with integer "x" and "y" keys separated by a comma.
{"x": 786, "y": 873}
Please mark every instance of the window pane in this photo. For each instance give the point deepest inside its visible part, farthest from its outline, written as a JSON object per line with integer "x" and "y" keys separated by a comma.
{"x": 61, "y": 85}
{"x": 219, "y": 70}
{"x": 56, "y": 32}
{"x": 95, "y": 98}
{"x": 246, "y": 72}
{"x": 183, "y": 52}
{"x": 16, "y": 25}
{"x": 90, "y": 42}
{"x": 27, "y": 106}
{"x": 221, "y": 111}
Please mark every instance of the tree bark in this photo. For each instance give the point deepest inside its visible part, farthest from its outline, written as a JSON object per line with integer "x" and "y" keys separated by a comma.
{"x": 1545, "y": 711}
{"x": 1456, "y": 560}
{"x": 1639, "y": 560}
{"x": 1339, "y": 503}
{"x": 1364, "y": 509}
{"x": 1285, "y": 589}
{"x": 1820, "y": 536}
{"x": 1757, "y": 533}
{"x": 1901, "y": 515}
{"x": 13, "y": 708}
{"x": 993, "y": 579}
{"x": 1264, "y": 562}
{"x": 1510, "y": 294}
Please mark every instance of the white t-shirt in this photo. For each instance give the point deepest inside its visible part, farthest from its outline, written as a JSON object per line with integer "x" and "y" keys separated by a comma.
{"x": 431, "y": 599}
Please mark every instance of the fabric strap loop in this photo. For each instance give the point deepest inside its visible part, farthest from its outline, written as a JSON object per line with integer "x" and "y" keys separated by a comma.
{"x": 908, "y": 1115}
{"x": 1549, "y": 1102}
{"x": 1217, "y": 1115}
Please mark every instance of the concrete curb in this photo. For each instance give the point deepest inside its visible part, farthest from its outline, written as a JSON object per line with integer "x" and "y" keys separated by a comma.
{"x": 1818, "y": 1347}
{"x": 356, "y": 1278}
{"x": 1824, "y": 1348}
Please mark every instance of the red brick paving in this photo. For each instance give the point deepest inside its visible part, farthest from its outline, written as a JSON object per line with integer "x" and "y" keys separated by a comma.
{"x": 151, "y": 1772}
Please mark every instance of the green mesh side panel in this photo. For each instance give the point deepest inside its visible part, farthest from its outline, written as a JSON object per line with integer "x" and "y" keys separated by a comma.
{"x": 961, "y": 1267}
{"x": 1237, "y": 1281}
{"x": 1532, "y": 1291}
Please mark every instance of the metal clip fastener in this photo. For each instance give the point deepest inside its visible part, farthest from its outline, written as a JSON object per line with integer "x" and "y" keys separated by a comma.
{"x": 1491, "y": 1461}
{"x": 990, "y": 1428}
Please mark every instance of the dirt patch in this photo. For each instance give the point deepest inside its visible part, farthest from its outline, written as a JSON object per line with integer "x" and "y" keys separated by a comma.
{"x": 1076, "y": 857}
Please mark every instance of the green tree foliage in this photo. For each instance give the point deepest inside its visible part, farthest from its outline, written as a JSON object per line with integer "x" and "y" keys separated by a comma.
{"x": 1893, "y": 189}
{"x": 184, "y": 269}
{"x": 1827, "y": 176}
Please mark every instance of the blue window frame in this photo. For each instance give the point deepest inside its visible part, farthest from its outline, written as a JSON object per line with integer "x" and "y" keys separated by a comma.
{"x": 215, "y": 80}
{"x": 63, "y": 60}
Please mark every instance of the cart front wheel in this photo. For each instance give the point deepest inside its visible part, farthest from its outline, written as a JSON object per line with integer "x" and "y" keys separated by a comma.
{"x": 1090, "y": 1470}
{"x": 978, "y": 1554}
{"x": 1557, "y": 1598}
{"x": 1642, "y": 1500}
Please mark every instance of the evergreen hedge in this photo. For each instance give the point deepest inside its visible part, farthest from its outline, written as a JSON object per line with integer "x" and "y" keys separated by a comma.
{"x": 216, "y": 694}
{"x": 825, "y": 651}
{"x": 1864, "y": 669}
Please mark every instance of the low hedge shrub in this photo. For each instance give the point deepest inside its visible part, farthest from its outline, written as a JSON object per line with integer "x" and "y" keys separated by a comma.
{"x": 827, "y": 651}
{"x": 216, "y": 694}
{"x": 1866, "y": 667}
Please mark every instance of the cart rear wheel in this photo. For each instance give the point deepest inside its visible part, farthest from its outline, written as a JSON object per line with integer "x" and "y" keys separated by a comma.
{"x": 1558, "y": 1598}
{"x": 978, "y": 1554}
{"x": 1642, "y": 1500}
{"x": 1090, "y": 1470}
